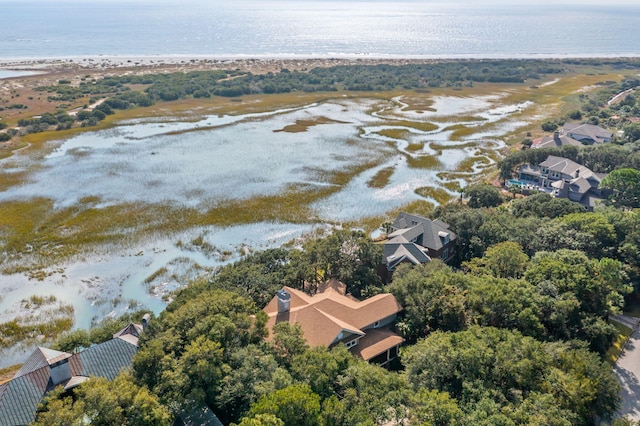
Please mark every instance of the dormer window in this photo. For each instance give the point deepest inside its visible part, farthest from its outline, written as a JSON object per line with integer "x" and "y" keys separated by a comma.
{"x": 444, "y": 236}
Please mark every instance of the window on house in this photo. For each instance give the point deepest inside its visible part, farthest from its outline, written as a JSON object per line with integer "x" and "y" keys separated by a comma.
{"x": 376, "y": 324}
{"x": 445, "y": 253}
{"x": 351, "y": 344}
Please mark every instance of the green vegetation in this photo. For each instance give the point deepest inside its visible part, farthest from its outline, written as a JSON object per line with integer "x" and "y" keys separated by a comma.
{"x": 101, "y": 402}
{"x": 513, "y": 340}
{"x": 614, "y": 351}
{"x": 483, "y": 195}
{"x": 517, "y": 334}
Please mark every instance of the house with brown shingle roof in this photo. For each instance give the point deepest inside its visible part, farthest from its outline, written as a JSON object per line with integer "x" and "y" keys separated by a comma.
{"x": 331, "y": 318}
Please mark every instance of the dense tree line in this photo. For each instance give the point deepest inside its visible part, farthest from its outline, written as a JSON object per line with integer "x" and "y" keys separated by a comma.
{"x": 512, "y": 338}
{"x": 513, "y": 335}
{"x": 382, "y": 77}
{"x": 231, "y": 83}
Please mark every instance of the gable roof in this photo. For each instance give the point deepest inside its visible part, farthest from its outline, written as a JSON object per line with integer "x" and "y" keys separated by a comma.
{"x": 565, "y": 166}
{"x": 555, "y": 141}
{"x": 590, "y": 131}
{"x": 325, "y": 315}
{"x": 376, "y": 342}
{"x": 408, "y": 225}
{"x": 19, "y": 397}
{"x": 104, "y": 360}
{"x": 41, "y": 357}
{"x": 395, "y": 252}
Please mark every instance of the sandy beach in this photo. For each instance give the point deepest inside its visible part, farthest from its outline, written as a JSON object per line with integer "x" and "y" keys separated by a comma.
{"x": 179, "y": 63}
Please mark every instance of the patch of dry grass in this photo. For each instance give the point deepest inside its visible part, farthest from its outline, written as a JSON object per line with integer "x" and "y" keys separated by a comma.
{"x": 428, "y": 162}
{"x": 440, "y": 147}
{"x": 303, "y": 125}
{"x": 381, "y": 179}
{"x": 438, "y": 194}
{"x": 453, "y": 185}
{"x": 468, "y": 164}
{"x": 423, "y": 126}
{"x": 401, "y": 134}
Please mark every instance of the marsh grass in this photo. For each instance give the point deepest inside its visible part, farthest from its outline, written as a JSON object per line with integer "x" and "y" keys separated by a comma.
{"x": 440, "y": 195}
{"x": 8, "y": 180}
{"x": 36, "y": 301}
{"x": 36, "y": 229}
{"x": 44, "y": 234}
{"x": 418, "y": 101}
{"x": 401, "y": 134}
{"x": 450, "y": 176}
{"x": 428, "y": 162}
{"x": 371, "y": 223}
{"x": 156, "y": 274}
{"x": 381, "y": 179}
{"x": 7, "y": 373}
{"x": 415, "y": 147}
{"x": 463, "y": 131}
{"x": 440, "y": 147}
{"x": 453, "y": 186}
{"x": 469, "y": 164}
{"x": 423, "y": 126}
{"x": 304, "y": 125}
{"x": 418, "y": 207}
{"x": 458, "y": 119}
{"x": 37, "y": 324}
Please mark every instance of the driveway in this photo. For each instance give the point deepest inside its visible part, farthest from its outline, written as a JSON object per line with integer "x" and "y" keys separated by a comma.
{"x": 627, "y": 370}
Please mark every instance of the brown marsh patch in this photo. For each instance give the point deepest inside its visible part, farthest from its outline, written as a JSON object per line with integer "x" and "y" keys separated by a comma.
{"x": 428, "y": 162}
{"x": 381, "y": 179}
{"x": 438, "y": 194}
{"x": 401, "y": 134}
{"x": 303, "y": 125}
{"x": 468, "y": 164}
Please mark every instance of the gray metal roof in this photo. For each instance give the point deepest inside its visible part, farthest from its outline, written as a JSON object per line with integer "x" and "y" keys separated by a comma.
{"x": 395, "y": 253}
{"x": 553, "y": 141}
{"x": 593, "y": 132}
{"x": 430, "y": 229}
{"x": 561, "y": 165}
{"x": 39, "y": 358}
{"x": 202, "y": 416}
{"x": 19, "y": 397}
{"x": 105, "y": 360}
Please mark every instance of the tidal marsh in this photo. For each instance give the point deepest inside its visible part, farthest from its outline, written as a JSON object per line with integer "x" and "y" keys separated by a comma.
{"x": 143, "y": 204}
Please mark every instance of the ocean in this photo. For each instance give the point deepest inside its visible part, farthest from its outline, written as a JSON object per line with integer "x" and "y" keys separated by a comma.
{"x": 314, "y": 28}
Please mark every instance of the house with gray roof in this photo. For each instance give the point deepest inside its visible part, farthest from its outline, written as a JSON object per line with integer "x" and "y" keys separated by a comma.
{"x": 47, "y": 368}
{"x": 555, "y": 141}
{"x": 565, "y": 178}
{"x": 416, "y": 240}
{"x": 587, "y": 134}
